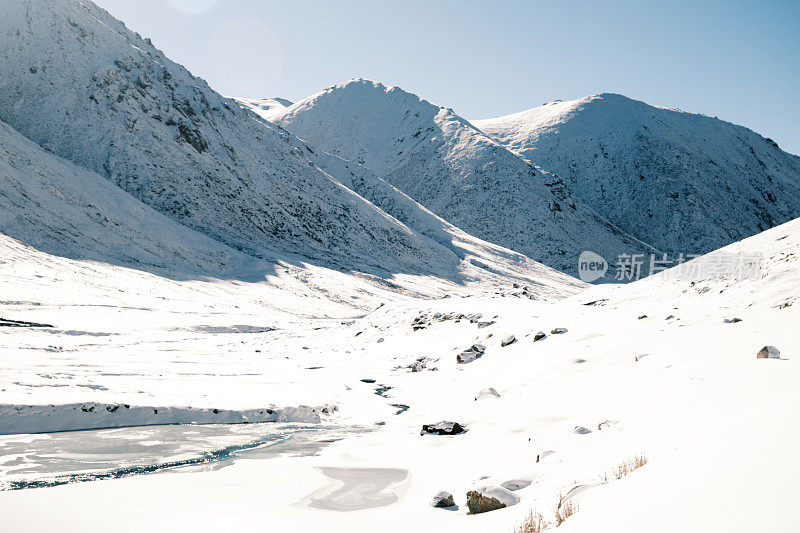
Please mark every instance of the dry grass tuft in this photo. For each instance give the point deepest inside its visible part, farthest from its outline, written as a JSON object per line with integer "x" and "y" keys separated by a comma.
{"x": 564, "y": 511}
{"x": 626, "y": 467}
{"x": 534, "y": 523}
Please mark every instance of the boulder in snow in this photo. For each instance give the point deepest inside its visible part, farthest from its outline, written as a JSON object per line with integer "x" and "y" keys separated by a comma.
{"x": 491, "y": 498}
{"x": 769, "y": 352}
{"x": 443, "y": 499}
{"x": 511, "y": 339}
{"x": 442, "y": 428}
{"x": 539, "y": 336}
{"x": 473, "y": 352}
{"x": 558, "y": 331}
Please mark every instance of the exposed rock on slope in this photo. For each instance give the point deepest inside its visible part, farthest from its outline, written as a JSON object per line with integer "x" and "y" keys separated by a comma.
{"x": 680, "y": 181}
{"x": 451, "y": 168}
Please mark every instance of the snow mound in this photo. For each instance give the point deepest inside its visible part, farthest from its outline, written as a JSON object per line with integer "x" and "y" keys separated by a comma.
{"x": 680, "y": 181}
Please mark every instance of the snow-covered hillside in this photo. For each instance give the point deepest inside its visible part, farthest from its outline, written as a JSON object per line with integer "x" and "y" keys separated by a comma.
{"x": 86, "y": 88}
{"x": 684, "y": 183}
{"x": 451, "y": 168}
{"x": 81, "y": 85}
{"x": 61, "y": 209}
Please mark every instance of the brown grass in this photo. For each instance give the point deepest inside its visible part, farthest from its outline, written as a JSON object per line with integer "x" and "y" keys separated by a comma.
{"x": 564, "y": 511}
{"x": 534, "y": 523}
{"x": 626, "y": 467}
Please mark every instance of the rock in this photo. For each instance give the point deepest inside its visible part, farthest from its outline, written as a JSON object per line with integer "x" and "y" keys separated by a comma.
{"x": 769, "y": 352}
{"x": 580, "y": 430}
{"x": 642, "y": 316}
{"x": 474, "y": 317}
{"x": 482, "y": 325}
{"x": 442, "y": 428}
{"x": 511, "y": 339}
{"x": 473, "y": 352}
{"x": 485, "y": 499}
{"x": 368, "y": 380}
{"x": 487, "y": 393}
{"x": 467, "y": 357}
{"x": 420, "y": 364}
{"x": 558, "y": 331}
{"x": 732, "y": 320}
{"x": 539, "y": 336}
{"x": 443, "y": 499}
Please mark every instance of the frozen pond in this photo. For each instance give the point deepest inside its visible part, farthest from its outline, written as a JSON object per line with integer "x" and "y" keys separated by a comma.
{"x": 49, "y": 459}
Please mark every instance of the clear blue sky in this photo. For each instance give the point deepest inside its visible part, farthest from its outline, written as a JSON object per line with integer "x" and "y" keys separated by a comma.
{"x": 736, "y": 60}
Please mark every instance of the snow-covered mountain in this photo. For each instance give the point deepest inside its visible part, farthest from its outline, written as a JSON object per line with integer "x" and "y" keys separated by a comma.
{"x": 84, "y": 87}
{"x": 451, "y": 168}
{"x": 65, "y": 210}
{"x": 680, "y": 181}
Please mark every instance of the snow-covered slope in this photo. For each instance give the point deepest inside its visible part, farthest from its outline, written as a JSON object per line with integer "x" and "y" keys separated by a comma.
{"x": 81, "y": 85}
{"x": 651, "y": 369}
{"x": 264, "y": 107}
{"x": 62, "y": 209}
{"x": 680, "y": 181}
{"x": 65, "y": 210}
{"x": 451, "y": 168}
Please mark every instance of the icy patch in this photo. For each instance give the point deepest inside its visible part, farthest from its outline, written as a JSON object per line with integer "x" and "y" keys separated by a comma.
{"x": 353, "y": 489}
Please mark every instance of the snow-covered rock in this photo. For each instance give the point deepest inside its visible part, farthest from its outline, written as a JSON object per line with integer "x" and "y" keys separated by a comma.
{"x": 443, "y": 499}
{"x": 490, "y": 498}
{"x": 682, "y": 182}
{"x": 769, "y": 352}
{"x": 450, "y": 167}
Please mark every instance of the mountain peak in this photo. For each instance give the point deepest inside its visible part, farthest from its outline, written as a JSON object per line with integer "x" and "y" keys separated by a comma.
{"x": 684, "y": 182}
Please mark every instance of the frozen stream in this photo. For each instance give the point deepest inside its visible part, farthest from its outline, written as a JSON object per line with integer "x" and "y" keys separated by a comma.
{"x": 50, "y": 459}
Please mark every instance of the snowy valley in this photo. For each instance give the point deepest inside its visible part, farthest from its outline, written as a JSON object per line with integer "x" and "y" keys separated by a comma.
{"x": 361, "y": 311}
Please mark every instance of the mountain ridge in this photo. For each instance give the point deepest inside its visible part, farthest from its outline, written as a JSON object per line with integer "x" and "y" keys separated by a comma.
{"x": 443, "y": 162}
{"x": 684, "y": 182}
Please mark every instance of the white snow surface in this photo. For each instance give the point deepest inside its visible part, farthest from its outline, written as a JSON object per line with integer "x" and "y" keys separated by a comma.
{"x": 682, "y": 182}
{"x": 687, "y": 392}
{"x": 441, "y": 161}
{"x": 264, "y": 107}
